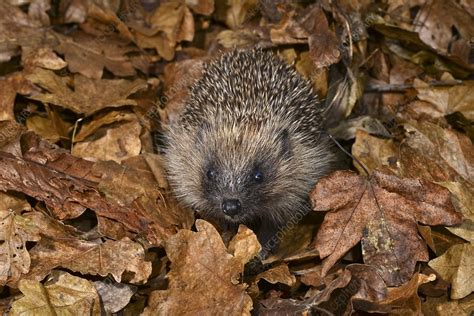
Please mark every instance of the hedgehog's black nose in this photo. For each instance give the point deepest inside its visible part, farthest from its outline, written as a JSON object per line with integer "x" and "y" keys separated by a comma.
{"x": 231, "y": 206}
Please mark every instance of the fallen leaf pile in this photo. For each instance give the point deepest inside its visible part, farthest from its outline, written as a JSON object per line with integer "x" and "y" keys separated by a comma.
{"x": 88, "y": 224}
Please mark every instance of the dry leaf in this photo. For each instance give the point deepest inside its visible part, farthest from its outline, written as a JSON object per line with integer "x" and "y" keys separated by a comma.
{"x": 38, "y": 11}
{"x": 430, "y": 152}
{"x": 382, "y": 212}
{"x": 42, "y": 126}
{"x": 244, "y": 245}
{"x": 44, "y": 58}
{"x": 15, "y": 231}
{"x": 59, "y": 245}
{"x": 330, "y": 300}
{"x": 375, "y": 153}
{"x": 456, "y": 266}
{"x": 89, "y": 55}
{"x": 441, "y": 306}
{"x": 17, "y": 30}
{"x": 104, "y": 12}
{"x": 403, "y": 299}
{"x": 439, "y": 19}
{"x": 102, "y": 120}
{"x": 63, "y": 294}
{"x": 370, "y": 286}
{"x": 114, "y": 296}
{"x": 204, "y": 7}
{"x": 117, "y": 143}
{"x": 121, "y": 259}
{"x": 239, "y": 12}
{"x": 69, "y": 185}
{"x": 446, "y": 100}
{"x": 278, "y": 274}
{"x": 60, "y": 65}
{"x": 323, "y": 43}
{"x": 201, "y": 264}
{"x": 10, "y": 86}
{"x": 348, "y": 129}
{"x": 170, "y": 23}
{"x": 463, "y": 200}
{"x": 88, "y": 96}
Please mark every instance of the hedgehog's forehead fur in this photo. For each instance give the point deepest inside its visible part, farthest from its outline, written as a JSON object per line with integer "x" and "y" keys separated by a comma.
{"x": 249, "y": 111}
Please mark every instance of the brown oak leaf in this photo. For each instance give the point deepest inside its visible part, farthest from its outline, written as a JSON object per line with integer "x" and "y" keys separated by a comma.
{"x": 382, "y": 212}
{"x": 63, "y": 294}
{"x": 204, "y": 274}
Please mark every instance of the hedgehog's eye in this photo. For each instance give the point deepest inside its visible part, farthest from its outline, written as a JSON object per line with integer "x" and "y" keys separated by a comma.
{"x": 211, "y": 174}
{"x": 258, "y": 176}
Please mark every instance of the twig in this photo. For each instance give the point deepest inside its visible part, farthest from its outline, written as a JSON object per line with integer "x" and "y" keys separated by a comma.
{"x": 403, "y": 87}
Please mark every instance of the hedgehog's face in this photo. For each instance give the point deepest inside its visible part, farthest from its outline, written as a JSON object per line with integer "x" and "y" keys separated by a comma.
{"x": 237, "y": 193}
{"x": 246, "y": 175}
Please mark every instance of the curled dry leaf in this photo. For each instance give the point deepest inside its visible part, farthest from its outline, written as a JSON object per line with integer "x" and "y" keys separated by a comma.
{"x": 116, "y": 258}
{"x": 60, "y": 245}
{"x": 332, "y": 300}
{"x": 62, "y": 294}
{"x": 403, "y": 299}
{"x": 44, "y": 58}
{"x": 51, "y": 186}
{"x": 178, "y": 79}
{"x": 38, "y": 11}
{"x": 294, "y": 240}
{"x": 136, "y": 184}
{"x": 370, "y": 286}
{"x": 120, "y": 142}
{"x": 239, "y": 38}
{"x": 456, "y": 266}
{"x": 279, "y": 274}
{"x": 434, "y": 33}
{"x": 244, "y": 245}
{"x": 382, "y": 212}
{"x": 10, "y": 86}
{"x": 357, "y": 285}
{"x": 68, "y": 185}
{"x": 311, "y": 276}
{"x": 349, "y": 128}
{"x": 204, "y": 275}
{"x": 102, "y": 120}
{"x": 375, "y": 153}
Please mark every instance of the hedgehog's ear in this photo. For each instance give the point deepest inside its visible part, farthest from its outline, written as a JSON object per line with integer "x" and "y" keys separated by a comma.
{"x": 284, "y": 139}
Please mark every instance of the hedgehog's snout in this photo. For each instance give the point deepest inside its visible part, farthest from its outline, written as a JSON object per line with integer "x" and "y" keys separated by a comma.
{"x": 231, "y": 207}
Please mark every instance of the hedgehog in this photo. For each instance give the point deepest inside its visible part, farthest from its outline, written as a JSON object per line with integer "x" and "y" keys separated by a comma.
{"x": 249, "y": 144}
